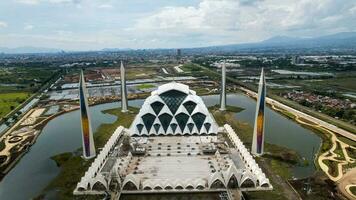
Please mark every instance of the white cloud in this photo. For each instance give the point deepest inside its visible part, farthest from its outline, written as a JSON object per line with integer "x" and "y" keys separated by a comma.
{"x": 136, "y": 24}
{"x": 35, "y": 2}
{"x": 106, "y": 6}
{"x": 3, "y": 24}
{"x": 28, "y": 27}
{"x": 244, "y": 21}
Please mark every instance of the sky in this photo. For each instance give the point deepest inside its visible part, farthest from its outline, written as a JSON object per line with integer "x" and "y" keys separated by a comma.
{"x": 98, "y": 24}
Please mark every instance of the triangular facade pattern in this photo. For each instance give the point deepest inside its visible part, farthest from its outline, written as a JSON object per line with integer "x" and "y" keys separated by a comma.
{"x": 173, "y": 109}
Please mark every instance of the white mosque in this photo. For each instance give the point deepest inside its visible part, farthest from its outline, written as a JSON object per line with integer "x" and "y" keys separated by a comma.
{"x": 175, "y": 146}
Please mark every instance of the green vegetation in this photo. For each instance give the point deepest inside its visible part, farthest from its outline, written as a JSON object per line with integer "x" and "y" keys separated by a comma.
{"x": 9, "y": 101}
{"x": 338, "y": 83}
{"x": 28, "y": 79}
{"x": 234, "y": 109}
{"x": 145, "y": 86}
{"x": 353, "y": 190}
{"x": 18, "y": 83}
{"x": 61, "y": 158}
{"x": 141, "y": 72}
{"x": 213, "y": 74}
{"x": 73, "y": 166}
{"x": 198, "y": 71}
{"x": 2, "y": 145}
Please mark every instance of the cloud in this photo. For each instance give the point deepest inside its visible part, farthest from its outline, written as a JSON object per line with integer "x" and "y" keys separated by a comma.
{"x": 35, "y": 2}
{"x": 3, "y": 24}
{"x": 106, "y": 6}
{"x": 28, "y": 27}
{"x": 252, "y": 20}
{"x": 175, "y": 23}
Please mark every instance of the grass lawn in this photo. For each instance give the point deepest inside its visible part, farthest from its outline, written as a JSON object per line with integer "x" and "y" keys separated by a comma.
{"x": 9, "y": 101}
{"x": 353, "y": 190}
{"x": 2, "y": 145}
{"x": 145, "y": 86}
{"x": 141, "y": 72}
{"x": 73, "y": 166}
{"x": 345, "y": 83}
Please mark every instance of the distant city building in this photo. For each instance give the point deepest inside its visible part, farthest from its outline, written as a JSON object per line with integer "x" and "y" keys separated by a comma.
{"x": 223, "y": 87}
{"x": 259, "y": 128}
{"x": 124, "y": 106}
{"x": 179, "y": 53}
{"x": 175, "y": 146}
{"x": 296, "y": 60}
{"x": 87, "y": 134}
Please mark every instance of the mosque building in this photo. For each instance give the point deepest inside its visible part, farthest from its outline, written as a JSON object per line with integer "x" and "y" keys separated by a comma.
{"x": 175, "y": 145}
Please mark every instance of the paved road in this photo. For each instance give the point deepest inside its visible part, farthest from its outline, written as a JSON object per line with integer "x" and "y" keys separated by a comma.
{"x": 324, "y": 124}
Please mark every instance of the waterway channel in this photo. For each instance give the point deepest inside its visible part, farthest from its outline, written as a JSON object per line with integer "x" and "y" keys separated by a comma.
{"x": 62, "y": 134}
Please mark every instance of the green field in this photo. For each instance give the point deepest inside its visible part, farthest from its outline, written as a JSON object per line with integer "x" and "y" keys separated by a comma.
{"x": 343, "y": 83}
{"x": 353, "y": 190}
{"x": 145, "y": 86}
{"x": 9, "y": 101}
{"x": 29, "y": 79}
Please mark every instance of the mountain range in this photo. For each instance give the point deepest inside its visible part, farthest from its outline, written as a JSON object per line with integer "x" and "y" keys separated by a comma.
{"x": 344, "y": 40}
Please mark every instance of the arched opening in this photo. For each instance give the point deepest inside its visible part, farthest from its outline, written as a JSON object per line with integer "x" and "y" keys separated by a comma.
{"x": 158, "y": 187}
{"x": 168, "y": 187}
{"x": 265, "y": 185}
{"x": 200, "y": 187}
{"x": 247, "y": 183}
{"x": 232, "y": 182}
{"x": 189, "y": 187}
{"x": 217, "y": 184}
{"x": 81, "y": 189}
{"x": 130, "y": 186}
{"x": 99, "y": 186}
{"x": 113, "y": 184}
{"x": 147, "y": 188}
{"x": 179, "y": 187}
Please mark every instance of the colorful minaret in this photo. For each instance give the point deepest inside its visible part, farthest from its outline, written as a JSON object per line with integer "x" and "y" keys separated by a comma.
{"x": 123, "y": 89}
{"x": 88, "y": 141}
{"x": 258, "y": 131}
{"x": 223, "y": 87}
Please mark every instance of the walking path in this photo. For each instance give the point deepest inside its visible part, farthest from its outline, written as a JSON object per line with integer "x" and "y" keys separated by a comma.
{"x": 348, "y": 181}
{"x": 345, "y": 181}
{"x": 310, "y": 118}
{"x": 341, "y": 160}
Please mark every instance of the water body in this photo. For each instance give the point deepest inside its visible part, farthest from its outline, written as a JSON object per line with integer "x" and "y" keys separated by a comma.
{"x": 35, "y": 170}
{"x": 289, "y": 72}
{"x": 279, "y": 130}
{"x": 62, "y": 134}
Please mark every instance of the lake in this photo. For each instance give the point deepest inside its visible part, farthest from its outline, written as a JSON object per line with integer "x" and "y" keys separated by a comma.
{"x": 63, "y": 134}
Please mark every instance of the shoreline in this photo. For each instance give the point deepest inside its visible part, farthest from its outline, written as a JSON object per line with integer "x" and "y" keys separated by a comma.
{"x": 142, "y": 96}
{"x": 133, "y": 97}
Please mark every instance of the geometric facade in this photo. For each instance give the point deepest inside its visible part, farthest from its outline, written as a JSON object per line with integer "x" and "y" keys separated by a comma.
{"x": 188, "y": 153}
{"x": 258, "y": 131}
{"x": 173, "y": 109}
{"x": 87, "y": 134}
